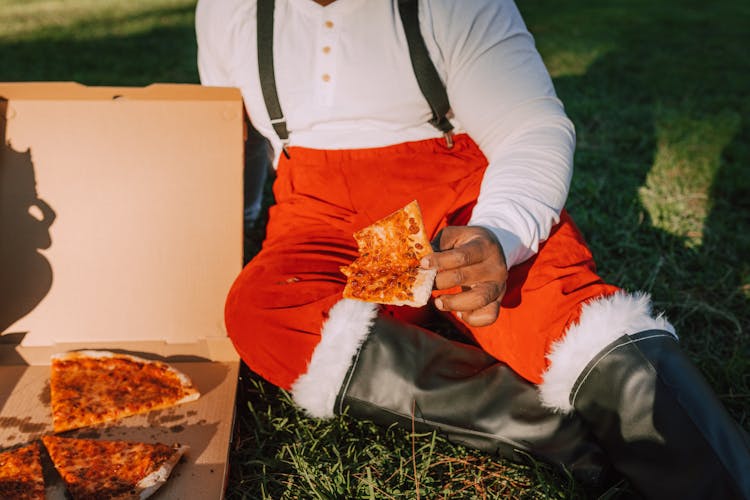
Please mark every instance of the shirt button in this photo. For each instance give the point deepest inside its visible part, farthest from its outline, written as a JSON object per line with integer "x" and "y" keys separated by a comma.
{"x": 326, "y": 77}
{"x": 328, "y": 24}
{"x": 326, "y": 49}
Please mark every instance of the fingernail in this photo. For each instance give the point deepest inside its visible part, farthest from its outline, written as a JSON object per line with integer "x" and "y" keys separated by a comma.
{"x": 425, "y": 263}
{"x": 439, "y": 304}
{"x": 460, "y": 315}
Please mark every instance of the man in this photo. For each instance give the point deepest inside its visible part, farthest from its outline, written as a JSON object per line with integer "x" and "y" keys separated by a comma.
{"x": 556, "y": 363}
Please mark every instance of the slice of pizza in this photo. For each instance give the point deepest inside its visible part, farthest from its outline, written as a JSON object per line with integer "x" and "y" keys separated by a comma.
{"x": 93, "y": 387}
{"x": 21, "y": 474}
{"x": 387, "y": 270}
{"x": 112, "y": 469}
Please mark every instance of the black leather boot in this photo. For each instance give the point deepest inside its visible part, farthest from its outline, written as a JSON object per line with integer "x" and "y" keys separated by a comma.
{"x": 403, "y": 373}
{"x": 660, "y": 423}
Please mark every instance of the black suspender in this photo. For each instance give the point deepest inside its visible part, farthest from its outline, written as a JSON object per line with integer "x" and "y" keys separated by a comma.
{"x": 264, "y": 17}
{"x": 427, "y": 76}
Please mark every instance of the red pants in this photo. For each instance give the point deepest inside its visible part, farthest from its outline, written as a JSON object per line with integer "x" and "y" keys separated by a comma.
{"x": 279, "y": 302}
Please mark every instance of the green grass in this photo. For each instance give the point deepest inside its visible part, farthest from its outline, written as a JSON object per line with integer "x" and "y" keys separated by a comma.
{"x": 98, "y": 42}
{"x": 660, "y": 95}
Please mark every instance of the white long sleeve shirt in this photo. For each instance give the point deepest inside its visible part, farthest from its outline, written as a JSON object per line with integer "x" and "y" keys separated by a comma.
{"x": 345, "y": 80}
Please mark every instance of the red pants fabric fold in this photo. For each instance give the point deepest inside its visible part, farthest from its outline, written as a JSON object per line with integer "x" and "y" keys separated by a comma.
{"x": 277, "y": 305}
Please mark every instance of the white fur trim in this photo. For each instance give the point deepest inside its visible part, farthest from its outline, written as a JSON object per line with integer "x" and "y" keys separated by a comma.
{"x": 348, "y": 324}
{"x": 602, "y": 321}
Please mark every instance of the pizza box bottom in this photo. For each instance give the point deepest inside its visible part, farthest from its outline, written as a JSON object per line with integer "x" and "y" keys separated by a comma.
{"x": 205, "y": 425}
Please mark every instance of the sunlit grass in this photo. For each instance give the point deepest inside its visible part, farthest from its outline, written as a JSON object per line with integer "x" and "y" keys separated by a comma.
{"x": 107, "y": 42}
{"x": 89, "y": 19}
{"x": 677, "y": 191}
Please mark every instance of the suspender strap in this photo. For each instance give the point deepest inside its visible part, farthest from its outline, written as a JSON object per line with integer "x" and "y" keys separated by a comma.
{"x": 264, "y": 18}
{"x": 427, "y": 76}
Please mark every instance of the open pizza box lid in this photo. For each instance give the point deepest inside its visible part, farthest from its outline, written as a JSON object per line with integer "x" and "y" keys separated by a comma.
{"x": 121, "y": 229}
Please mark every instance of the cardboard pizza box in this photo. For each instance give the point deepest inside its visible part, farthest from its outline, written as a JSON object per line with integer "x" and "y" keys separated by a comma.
{"x": 121, "y": 229}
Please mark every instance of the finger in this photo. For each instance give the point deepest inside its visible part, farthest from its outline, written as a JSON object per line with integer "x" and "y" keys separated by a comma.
{"x": 463, "y": 276}
{"x": 484, "y": 316}
{"x": 467, "y": 254}
{"x": 453, "y": 236}
{"x": 472, "y": 299}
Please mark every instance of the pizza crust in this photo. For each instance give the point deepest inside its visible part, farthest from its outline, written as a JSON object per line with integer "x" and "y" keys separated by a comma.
{"x": 422, "y": 289}
{"x": 149, "y": 484}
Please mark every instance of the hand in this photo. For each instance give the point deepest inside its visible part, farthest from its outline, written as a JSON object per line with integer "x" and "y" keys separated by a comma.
{"x": 469, "y": 257}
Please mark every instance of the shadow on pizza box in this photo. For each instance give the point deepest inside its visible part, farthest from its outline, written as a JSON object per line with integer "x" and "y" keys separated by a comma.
{"x": 121, "y": 230}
